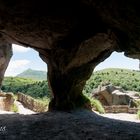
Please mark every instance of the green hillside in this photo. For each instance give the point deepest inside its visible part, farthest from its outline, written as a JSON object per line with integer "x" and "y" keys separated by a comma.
{"x": 127, "y": 79}
{"x": 15, "y": 84}
{"x": 36, "y": 89}
{"x": 33, "y": 74}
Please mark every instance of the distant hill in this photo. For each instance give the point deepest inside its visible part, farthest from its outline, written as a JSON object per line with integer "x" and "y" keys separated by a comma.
{"x": 33, "y": 74}
{"x": 36, "y": 89}
{"x": 125, "y": 78}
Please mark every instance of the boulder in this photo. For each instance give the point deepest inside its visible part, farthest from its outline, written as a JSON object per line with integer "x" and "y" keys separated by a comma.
{"x": 31, "y": 103}
{"x": 6, "y": 101}
{"x": 110, "y": 95}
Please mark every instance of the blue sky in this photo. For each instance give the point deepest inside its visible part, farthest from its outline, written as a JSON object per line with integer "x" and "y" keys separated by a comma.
{"x": 118, "y": 60}
{"x": 24, "y": 58}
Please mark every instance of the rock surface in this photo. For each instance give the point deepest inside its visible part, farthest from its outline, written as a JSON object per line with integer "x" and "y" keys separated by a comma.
{"x": 6, "y": 101}
{"x": 5, "y": 56}
{"x": 76, "y": 125}
{"x": 22, "y": 109}
{"x": 31, "y": 103}
{"x": 110, "y": 95}
{"x": 72, "y": 37}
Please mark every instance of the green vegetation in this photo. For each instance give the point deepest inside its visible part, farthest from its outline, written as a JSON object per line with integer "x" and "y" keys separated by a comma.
{"x": 36, "y": 89}
{"x": 33, "y": 74}
{"x": 97, "y": 105}
{"x": 127, "y": 79}
{"x": 44, "y": 101}
{"x": 138, "y": 114}
{"x": 137, "y": 103}
{"x": 14, "y": 108}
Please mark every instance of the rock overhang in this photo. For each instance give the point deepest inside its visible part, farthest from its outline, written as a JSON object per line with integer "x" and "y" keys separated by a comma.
{"x": 72, "y": 37}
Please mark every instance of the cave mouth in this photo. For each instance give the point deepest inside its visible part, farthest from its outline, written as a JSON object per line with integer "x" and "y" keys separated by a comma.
{"x": 115, "y": 83}
{"x": 74, "y": 96}
{"x": 26, "y": 73}
{"x": 24, "y": 58}
{"x": 120, "y": 67}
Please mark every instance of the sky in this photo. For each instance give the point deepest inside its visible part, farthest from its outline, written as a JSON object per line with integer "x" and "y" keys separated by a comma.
{"x": 25, "y": 58}
{"x": 118, "y": 60}
{"x": 22, "y": 59}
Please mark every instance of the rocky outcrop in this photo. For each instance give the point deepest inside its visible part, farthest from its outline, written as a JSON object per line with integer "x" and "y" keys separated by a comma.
{"x": 5, "y": 56}
{"x": 31, "y": 103}
{"x": 110, "y": 95}
{"x": 6, "y": 101}
{"x": 73, "y": 125}
{"x": 72, "y": 37}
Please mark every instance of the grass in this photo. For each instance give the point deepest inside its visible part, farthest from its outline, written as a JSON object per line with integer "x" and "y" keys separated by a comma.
{"x": 14, "y": 108}
{"x": 97, "y": 105}
{"x": 137, "y": 103}
{"x": 138, "y": 114}
{"x": 44, "y": 101}
{"x": 15, "y": 97}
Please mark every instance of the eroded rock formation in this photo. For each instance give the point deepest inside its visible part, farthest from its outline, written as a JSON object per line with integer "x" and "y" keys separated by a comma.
{"x": 110, "y": 95}
{"x": 72, "y": 37}
{"x": 31, "y": 103}
{"x": 6, "y": 101}
{"x": 5, "y": 56}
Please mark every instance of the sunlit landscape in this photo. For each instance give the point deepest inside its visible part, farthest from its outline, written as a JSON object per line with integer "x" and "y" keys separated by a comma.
{"x": 23, "y": 76}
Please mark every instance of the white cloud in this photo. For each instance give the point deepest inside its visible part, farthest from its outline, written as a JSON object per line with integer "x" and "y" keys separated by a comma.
{"x": 18, "y": 63}
{"x": 16, "y": 66}
{"x": 19, "y": 49}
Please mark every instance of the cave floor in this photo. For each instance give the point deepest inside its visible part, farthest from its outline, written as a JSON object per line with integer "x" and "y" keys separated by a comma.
{"x": 74, "y": 125}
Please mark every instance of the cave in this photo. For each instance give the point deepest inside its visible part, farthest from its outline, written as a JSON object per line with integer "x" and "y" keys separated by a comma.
{"x": 72, "y": 37}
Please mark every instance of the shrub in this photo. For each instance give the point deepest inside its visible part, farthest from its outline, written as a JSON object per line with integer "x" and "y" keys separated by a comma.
{"x": 14, "y": 108}
{"x": 98, "y": 106}
{"x": 137, "y": 102}
{"x": 138, "y": 114}
{"x": 133, "y": 74}
{"x": 44, "y": 101}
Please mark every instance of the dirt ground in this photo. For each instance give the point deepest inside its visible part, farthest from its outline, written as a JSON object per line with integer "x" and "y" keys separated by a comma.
{"x": 121, "y": 116}
{"x": 22, "y": 109}
{"x": 75, "y": 125}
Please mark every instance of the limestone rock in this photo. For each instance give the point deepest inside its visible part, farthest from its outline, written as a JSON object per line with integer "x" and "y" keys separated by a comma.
{"x": 6, "y": 101}
{"x": 72, "y": 37}
{"x": 31, "y": 103}
{"x": 5, "y": 56}
{"x": 110, "y": 95}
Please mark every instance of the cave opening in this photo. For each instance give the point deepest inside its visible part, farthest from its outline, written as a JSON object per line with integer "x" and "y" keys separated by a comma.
{"x": 24, "y": 58}
{"x": 56, "y": 29}
{"x": 117, "y": 70}
{"x": 25, "y": 76}
{"x": 115, "y": 84}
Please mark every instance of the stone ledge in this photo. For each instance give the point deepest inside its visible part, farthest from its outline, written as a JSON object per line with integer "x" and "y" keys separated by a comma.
{"x": 31, "y": 103}
{"x": 120, "y": 109}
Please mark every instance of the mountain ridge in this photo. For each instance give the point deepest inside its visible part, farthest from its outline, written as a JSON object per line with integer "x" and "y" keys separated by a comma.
{"x": 33, "y": 74}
